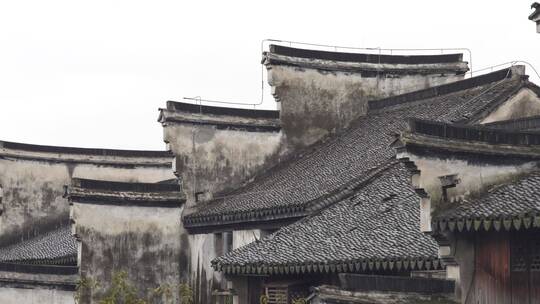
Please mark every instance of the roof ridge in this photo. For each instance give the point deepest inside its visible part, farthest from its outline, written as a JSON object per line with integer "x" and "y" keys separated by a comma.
{"x": 441, "y": 89}
{"x": 226, "y": 111}
{"x": 95, "y": 184}
{"x": 78, "y": 150}
{"x": 364, "y": 57}
{"x": 477, "y": 133}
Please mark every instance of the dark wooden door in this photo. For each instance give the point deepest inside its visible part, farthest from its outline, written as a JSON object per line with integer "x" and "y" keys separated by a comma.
{"x": 492, "y": 277}
{"x": 507, "y": 268}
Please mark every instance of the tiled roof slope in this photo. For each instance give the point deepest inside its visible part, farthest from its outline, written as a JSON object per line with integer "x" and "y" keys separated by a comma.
{"x": 375, "y": 228}
{"x": 292, "y": 187}
{"x": 510, "y": 206}
{"x": 57, "y": 247}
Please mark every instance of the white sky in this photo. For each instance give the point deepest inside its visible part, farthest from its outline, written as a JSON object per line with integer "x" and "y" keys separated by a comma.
{"x": 94, "y": 73}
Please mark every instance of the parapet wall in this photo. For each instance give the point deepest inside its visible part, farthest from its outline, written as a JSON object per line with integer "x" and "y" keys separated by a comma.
{"x": 218, "y": 148}
{"x": 132, "y": 227}
{"x": 32, "y": 178}
{"x": 321, "y": 92}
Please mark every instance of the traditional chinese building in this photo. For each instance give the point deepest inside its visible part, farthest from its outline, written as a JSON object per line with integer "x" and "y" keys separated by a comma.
{"x": 247, "y": 173}
{"x": 481, "y": 188}
{"x": 382, "y": 178}
{"x": 48, "y": 246}
{"x": 348, "y": 181}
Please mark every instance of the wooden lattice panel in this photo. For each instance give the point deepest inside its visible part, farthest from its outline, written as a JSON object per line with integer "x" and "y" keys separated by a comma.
{"x": 277, "y": 295}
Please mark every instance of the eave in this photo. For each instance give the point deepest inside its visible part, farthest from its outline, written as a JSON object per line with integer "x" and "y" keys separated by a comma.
{"x": 124, "y": 194}
{"x": 371, "y": 64}
{"x": 471, "y": 139}
{"x": 372, "y": 69}
{"x": 220, "y": 122}
{"x": 332, "y": 267}
{"x": 488, "y": 223}
{"x": 38, "y": 276}
{"x": 106, "y": 157}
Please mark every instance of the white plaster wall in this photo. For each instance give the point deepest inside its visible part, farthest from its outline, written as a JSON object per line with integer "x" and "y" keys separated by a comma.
{"x": 475, "y": 177}
{"x": 32, "y": 191}
{"x": 523, "y": 104}
{"x": 211, "y": 160}
{"x": 343, "y": 82}
{"x": 244, "y": 237}
{"x": 315, "y": 103}
{"x": 114, "y": 220}
{"x": 203, "y": 277}
{"x": 144, "y": 241}
{"x": 35, "y": 296}
{"x": 203, "y": 251}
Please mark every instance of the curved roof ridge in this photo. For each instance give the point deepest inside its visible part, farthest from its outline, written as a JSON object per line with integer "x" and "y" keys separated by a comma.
{"x": 226, "y": 111}
{"x": 363, "y": 57}
{"x": 124, "y": 186}
{"x": 84, "y": 151}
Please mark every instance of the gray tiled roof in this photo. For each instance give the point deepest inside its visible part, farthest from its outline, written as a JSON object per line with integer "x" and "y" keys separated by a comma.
{"x": 57, "y": 247}
{"x": 291, "y": 186}
{"x": 378, "y": 222}
{"x": 507, "y": 206}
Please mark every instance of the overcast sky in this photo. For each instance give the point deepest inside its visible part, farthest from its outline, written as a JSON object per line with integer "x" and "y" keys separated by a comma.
{"x": 94, "y": 73}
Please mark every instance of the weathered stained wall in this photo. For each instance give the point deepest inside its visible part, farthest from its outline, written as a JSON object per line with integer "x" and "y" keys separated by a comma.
{"x": 32, "y": 184}
{"x": 203, "y": 278}
{"x": 204, "y": 248}
{"x": 525, "y": 103}
{"x": 211, "y": 160}
{"x": 315, "y": 102}
{"x": 11, "y": 295}
{"x": 476, "y": 175}
{"x": 35, "y": 287}
{"x": 144, "y": 241}
{"x": 244, "y": 237}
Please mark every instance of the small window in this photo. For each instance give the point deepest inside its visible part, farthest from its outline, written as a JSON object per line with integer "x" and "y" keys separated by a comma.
{"x": 525, "y": 252}
{"x": 199, "y": 196}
